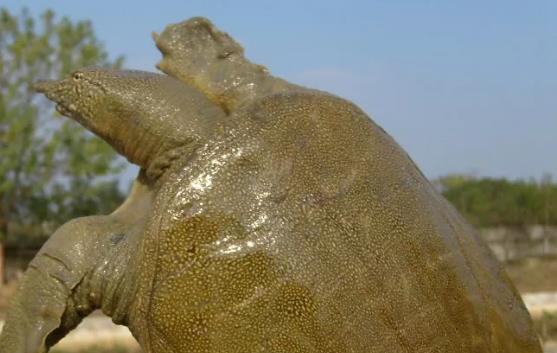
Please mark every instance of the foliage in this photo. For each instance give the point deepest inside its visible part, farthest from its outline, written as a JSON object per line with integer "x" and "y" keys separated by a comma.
{"x": 51, "y": 168}
{"x": 500, "y": 202}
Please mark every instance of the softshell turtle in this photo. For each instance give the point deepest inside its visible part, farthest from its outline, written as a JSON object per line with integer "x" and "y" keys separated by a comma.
{"x": 296, "y": 224}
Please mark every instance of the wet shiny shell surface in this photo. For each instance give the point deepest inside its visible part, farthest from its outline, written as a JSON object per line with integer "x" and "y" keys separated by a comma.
{"x": 306, "y": 228}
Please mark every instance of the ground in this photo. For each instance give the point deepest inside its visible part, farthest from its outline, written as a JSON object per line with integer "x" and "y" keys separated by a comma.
{"x": 534, "y": 274}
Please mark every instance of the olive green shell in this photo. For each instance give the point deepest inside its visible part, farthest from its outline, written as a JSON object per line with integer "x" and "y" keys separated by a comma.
{"x": 303, "y": 227}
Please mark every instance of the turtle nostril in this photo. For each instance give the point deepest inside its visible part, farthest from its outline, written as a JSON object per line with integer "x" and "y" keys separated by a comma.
{"x": 43, "y": 86}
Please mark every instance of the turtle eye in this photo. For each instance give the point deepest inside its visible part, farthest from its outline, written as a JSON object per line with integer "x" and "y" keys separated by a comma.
{"x": 77, "y": 76}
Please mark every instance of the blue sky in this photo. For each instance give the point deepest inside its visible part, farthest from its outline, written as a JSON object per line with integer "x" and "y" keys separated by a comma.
{"x": 463, "y": 86}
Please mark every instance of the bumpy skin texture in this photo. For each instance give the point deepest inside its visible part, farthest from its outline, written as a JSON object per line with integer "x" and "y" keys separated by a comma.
{"x": 295, "y": 225}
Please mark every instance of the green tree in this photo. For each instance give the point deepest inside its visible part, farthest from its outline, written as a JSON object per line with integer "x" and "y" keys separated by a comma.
{"x": 51, "y": 169}
{"x": 500, "y": 202}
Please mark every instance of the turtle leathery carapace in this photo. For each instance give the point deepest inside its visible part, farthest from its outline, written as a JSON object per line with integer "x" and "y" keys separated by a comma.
{"x": 286, "y": 222}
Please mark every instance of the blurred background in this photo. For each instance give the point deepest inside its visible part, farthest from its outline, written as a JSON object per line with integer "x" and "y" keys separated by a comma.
{"x": 467, "y": 88}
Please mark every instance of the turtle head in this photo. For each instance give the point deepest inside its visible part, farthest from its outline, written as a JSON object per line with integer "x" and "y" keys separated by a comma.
{"x": 142, "y": 115}
{"x": 104, "y": 101}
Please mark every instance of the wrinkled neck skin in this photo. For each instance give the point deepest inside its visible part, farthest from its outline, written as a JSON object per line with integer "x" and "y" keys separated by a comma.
{"x": 149, "y": 147}
{"x": 79, "y": 269}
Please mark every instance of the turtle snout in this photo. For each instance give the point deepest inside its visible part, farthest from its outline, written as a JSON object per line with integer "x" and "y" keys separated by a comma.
{"x": 45, "y": 86}
{"x": 64, "y": 93}
{"x": 54, "y": 90}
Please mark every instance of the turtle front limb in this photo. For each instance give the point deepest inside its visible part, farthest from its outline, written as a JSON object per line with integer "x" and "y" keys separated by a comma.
{"x": 45, "y": 306}
{"x": 198, "y": 53}
{"x": 83, "y": 266}
{"x": 145, "y": 117}
{"x": 36, "y": 313}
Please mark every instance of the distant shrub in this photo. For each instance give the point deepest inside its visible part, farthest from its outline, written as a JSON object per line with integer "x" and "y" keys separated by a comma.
{"x": 500, "y": 202}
